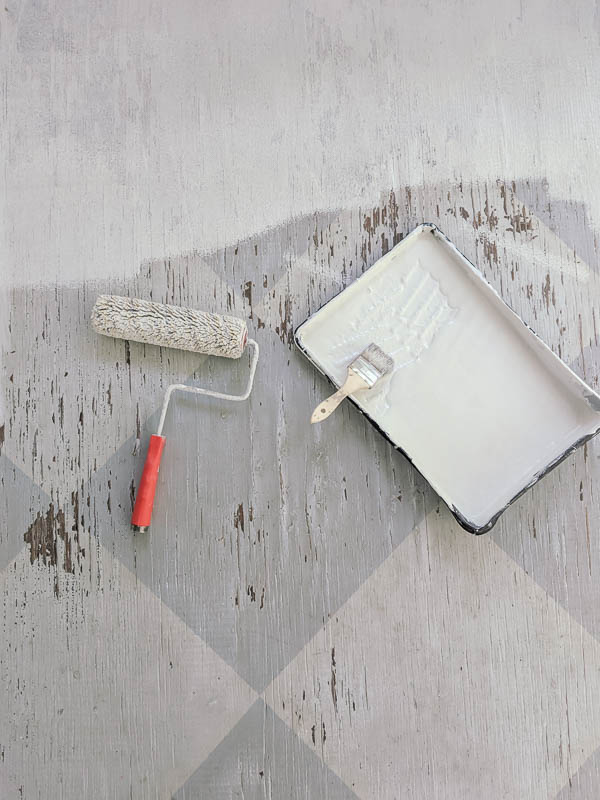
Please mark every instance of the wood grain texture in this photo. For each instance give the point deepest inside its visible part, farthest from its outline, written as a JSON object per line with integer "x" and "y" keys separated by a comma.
{"x": 254, "y": 159}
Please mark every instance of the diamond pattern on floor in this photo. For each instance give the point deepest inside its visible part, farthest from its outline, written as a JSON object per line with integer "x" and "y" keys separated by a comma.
{"x": 21, "y": 504}
{"x": 552, "y": 534}
{"x": 428, "y": 683}
{"x": 569, "y": 220}
{"x": 584, "y": 784}
{"x": 133, "y": 699}
{"x": 270, "y": 530}
{"x": 262, "y": 759}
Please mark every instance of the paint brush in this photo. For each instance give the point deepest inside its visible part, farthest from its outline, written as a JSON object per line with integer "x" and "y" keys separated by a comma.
{"x": 364, "y": 372}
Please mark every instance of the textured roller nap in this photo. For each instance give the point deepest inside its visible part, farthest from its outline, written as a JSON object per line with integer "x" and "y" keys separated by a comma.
{"x": 169, "y": 326}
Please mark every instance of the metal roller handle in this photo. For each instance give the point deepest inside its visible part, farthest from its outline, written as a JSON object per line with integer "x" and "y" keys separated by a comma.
{"x": 144, "y": 502}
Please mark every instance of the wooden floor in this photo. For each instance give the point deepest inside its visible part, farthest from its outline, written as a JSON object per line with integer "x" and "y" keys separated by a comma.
{"x": 305, "y": 619}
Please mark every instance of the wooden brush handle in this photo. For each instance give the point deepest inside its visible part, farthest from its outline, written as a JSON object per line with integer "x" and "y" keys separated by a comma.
{"x": 352, "y": 384}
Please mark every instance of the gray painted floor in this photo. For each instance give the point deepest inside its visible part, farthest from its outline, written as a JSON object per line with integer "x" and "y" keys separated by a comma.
{"x": 305, "y": 619}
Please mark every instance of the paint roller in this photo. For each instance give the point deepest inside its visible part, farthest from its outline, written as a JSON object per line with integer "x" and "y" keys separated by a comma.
{"x": 184, "y": 329}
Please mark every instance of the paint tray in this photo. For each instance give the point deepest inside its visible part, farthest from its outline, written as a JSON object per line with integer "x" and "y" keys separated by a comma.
{"x": 476, "y": 401}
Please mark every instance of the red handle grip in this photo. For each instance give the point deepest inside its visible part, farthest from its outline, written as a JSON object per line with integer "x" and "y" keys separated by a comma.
{"x": 142, "y": 511}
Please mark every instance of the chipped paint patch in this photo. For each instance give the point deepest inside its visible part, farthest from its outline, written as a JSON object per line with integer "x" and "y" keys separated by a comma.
{"x": 238, "y": 517}
{"x": 45, "y": 533}
{"x": 42, "y": 536}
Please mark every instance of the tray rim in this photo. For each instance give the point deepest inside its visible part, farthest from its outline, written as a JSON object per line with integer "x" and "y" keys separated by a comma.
{"x": 461, "y": 518}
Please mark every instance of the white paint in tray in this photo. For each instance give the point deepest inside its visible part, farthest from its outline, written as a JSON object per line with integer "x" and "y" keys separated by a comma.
{"x": 478, "y": 403}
